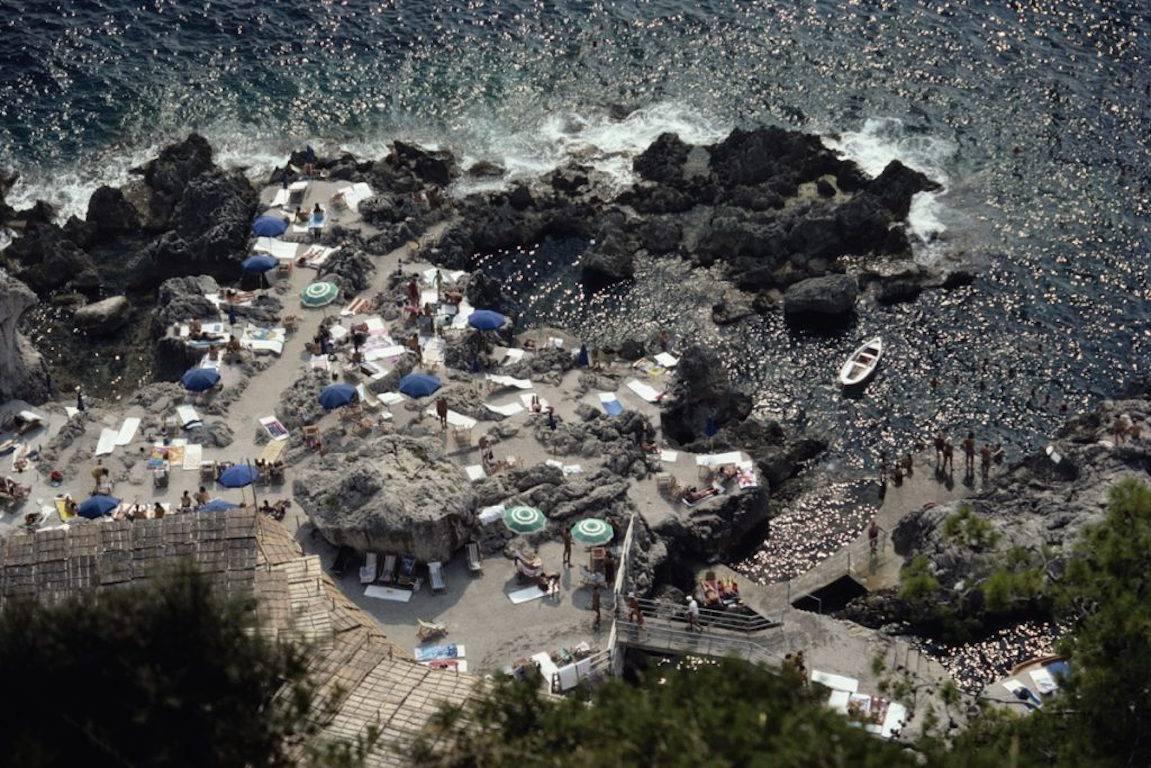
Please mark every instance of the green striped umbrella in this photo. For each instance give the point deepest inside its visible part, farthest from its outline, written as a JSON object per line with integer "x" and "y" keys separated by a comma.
{"x": 524, "y": 519}
{"x": 319, "y": 294}
{"x": 592, "y": 532}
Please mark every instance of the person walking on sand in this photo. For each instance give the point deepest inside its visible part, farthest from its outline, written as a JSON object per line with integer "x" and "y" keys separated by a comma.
{"x": 938, "y": 449}
{"x": 873, "y": 536}
{"x": 442, "y": 411}
{"x": 595, "y": 606}
{"x": 969, "y": 453}
{"x": 948, "y": 456}
{"x": 908, "y": 465}
{"x": 566, "y": 535}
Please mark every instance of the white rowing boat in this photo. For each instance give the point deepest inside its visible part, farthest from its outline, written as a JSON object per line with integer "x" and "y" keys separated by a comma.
{"x": 862, "y": 363}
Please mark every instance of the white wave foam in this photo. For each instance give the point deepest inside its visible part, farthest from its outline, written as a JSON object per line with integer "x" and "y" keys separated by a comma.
{"x": 883, "y": 139}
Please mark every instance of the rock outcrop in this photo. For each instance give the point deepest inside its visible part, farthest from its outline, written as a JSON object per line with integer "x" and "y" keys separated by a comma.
{"x": 103, "y": 317}
{"x": 703, "y": 399}
{"x": 398, "y": 495}
{"x": 22, "y": 371}
{"x": 821, "y": 301}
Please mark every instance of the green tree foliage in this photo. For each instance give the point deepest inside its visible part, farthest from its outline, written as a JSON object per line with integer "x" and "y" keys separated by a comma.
{"x": 969, "y": 529}
{"x": 918, "y": 583}
{"x": 160, "y": 675}
{"x": 727, "y": 714}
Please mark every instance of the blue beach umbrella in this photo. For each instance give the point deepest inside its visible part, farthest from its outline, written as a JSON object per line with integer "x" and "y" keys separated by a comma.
{"x": 419, "y": 384}
{"x": 486, "y": 320}
{"x": 217, "y": 505}
{"x": 238, "y": 476}
{"x": 337, "y": 396}
{"x": 97, "y": 506}
{"x": 269, "y": 226}
{"x": 200, "y": 379}
{"x": 259, "y": 262}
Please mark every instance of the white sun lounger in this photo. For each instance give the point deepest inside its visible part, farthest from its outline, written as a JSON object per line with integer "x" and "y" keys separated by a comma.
{"x": 456, "y": 420}
{"x": 670, "y": 457}
{"x": 391, "y": 398}
{"x": 510, "y": 409}
{"x": 369, "y": 568}
{"x": 1044, "y": 681}
{"x": 510, "y": 381}
{"x": 666, "y": 360}
{"x": 436, "y": 576}
{"x": 127, "y": 430}
{"x": 281, "y": 198}
{"x": 280, "y": 249}
{"x": 489, "y": 515}
{"x": 645, "y": 391}
{"x": 450, "y": 275}
{"x": 315, "y": 256}
{"x": 835, "y": 682}
{"x": 107, "y": 442}
{"x": 386, "y": 352}
{"x": 388, "y": 593}
{"x": 187, "y": 417}
{"x": 525, "y": 595}
{"x": 193, "y": 456}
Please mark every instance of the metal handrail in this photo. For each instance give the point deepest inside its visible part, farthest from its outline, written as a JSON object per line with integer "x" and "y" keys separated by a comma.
{"x": 754, "y": 622}
{"x": 704, "y": 643}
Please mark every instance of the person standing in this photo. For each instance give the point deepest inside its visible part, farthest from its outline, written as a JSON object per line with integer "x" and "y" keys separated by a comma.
{"x": 634, "y": 612}
{"x": 442, "y": 411}
{"x": 439, "y": 283}
{"x": 939, "y": 441}
{"x": 693, "y": 615}
{"x": 882, "y": 467}
{"x": 79, "y": 400}
{"x": 609, "y": 568}
{"x": 595, "y": 606}
{"x": 948, "y": 456}
{"x": 969, "y": 453}
{"x": 99, "y": 472}
{"x": 908, "y": 465}
{"x": 873, "y": 536}
{"x": 566, "y": 535}
{"x": 231, "y": 314}
{"x": 985, "y": 459}
{"x": 414, "y": 293}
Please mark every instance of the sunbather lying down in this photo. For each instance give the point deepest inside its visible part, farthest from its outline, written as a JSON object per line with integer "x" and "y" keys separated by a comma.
{"x": 693, "y": 494}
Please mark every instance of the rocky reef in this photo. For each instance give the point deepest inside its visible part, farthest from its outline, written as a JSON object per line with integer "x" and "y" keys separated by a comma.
{"x": 22, "y": 371}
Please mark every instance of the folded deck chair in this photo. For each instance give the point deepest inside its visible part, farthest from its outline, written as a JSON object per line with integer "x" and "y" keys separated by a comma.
{"x": 475, "y": 560}
{"x": 368, "y": 569}
{"x": 436, "y": 576}
{"x": 610, "y": 404}
{"x": 388, "y": 572}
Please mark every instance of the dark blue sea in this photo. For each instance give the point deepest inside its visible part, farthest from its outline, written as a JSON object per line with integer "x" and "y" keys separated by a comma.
{"x": 1034, "y": 115}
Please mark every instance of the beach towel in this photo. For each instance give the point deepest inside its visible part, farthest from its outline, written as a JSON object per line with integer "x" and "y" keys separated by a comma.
{"x": 1043, "y": 680}
{"x": 610, "y": 404}
{"x": 62, "y": 510}
{"x": 361, "y": 305}
{"x": 525, "y": 595}
{"x": 448, "y": 665}
{"x": 513, "y": 355}
{"x": 475, "y": 472}
{"x": 317, "y": 255}
{"x": 176, "y": 454}
{"x": 666, "y": 360}
{"x": 187, "y": 417}
{"x": 547, "y": 667}
{"x": 275, "y": 430}
{"x": 568, "y": 677}
{"x": 1023, "y": 693}
{"x": 388, "y": 593}
{"x": 272, "y": 450}
{"x": 510, "y": 381}
{"x": 464, "y": 311}
{"x": 391, "y": 398}
{"x": 320, "y": 363}
{"x": 489, "y": 515}
{"x": 383, "y": 351}
{"x": 645, "y": 391}
{"x": 127, "y": 430}
{"x": 457, "y": 420}
{"x": 433, "y": 652}
{"x": 719, "y": 459}
{"x": 511, "y": 409}
{"x": 526, "y": 399}
{"x": 107, "y": 442}
{"x": 669, "y": 457}
{"x": 193, "y": 457}
{"x": 571, "y": 469}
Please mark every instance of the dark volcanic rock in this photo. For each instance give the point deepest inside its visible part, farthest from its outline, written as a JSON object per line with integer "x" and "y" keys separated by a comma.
{"x": 821, "y": 300}
{"x": 702, "y": 396}
{"x": 895, "y": 187}
{"x": 168, "y": 174}
{"x": 47, "y": 259}
{"x": 109, "y": 214}
{"x": 663, "y": 160}
{"x": 22, "y": 371}
{"x": 103, "y": 317}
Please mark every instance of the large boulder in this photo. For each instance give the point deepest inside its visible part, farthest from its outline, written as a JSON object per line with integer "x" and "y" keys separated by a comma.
{"x": 104, "y": 317}
{"x": 398, "y": 495}
{"x": 663, "y": 161}
{"x": 47, "y": 259}
{"x": 168, "y": 174}
{"x": 432, "y": 166}
{"x": 718, "y": 528}
{"x": 214, "y": 216}
{"x": 353, "y": 267}
{"x": 612, "y": 261}
{"x": 821, "y": 301}
{"x": 23, "y": 374}
{"x": 702, "y": 397}
{"x": 110, "y": 214}
{"x": 895, "y": 187}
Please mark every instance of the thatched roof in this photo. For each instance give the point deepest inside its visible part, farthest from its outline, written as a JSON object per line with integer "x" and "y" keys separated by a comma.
{"x": 363, "y": 676}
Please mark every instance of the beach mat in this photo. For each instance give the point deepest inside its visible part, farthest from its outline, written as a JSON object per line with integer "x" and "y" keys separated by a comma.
{"x": 525, "y": 595}
{"x": 127, "y": 430}
{"x": 388, "y": 593}
{"x": 646, "y": 392}
{"x": 610, "y": 404}
{"x": 272, "y": 450}
{"x": 510, "y": 409}
{"x": 274, "y": 428}
{"x": 193, "y": 456}
{"x": 62, "y": 510}
{"x": 434, "y": 652}
{"x": 107, "y": 442}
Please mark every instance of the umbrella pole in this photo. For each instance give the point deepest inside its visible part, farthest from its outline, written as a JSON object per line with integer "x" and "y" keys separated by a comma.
{"x": 255, "y": 503}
